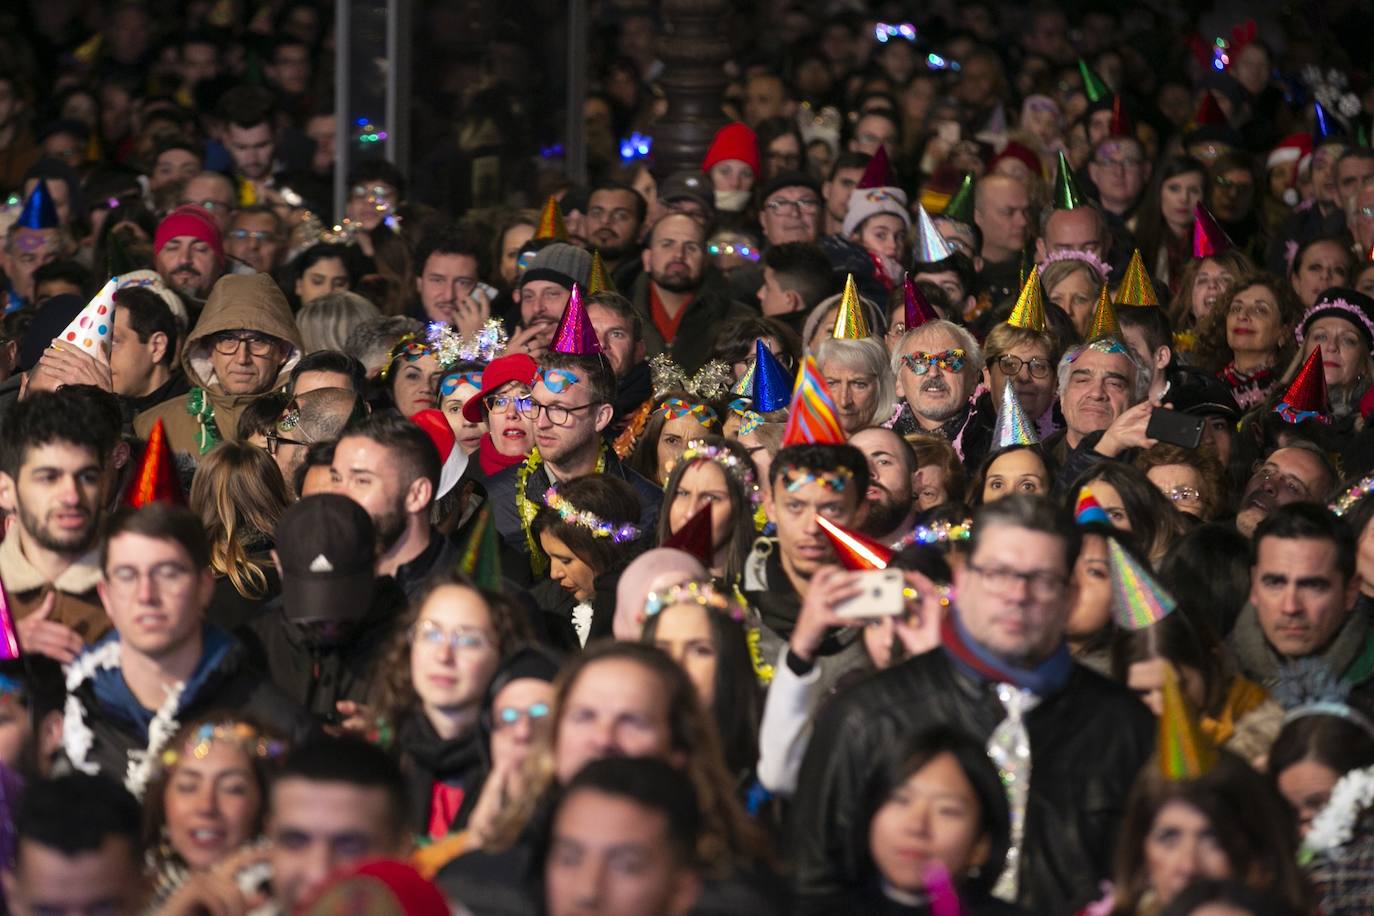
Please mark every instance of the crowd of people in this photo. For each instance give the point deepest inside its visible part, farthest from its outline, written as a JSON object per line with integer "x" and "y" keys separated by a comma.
{"x": 951, "y": 495}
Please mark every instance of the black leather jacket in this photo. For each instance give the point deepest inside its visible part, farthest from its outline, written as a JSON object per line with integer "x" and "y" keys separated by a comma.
{"x": 1088, "y": 742}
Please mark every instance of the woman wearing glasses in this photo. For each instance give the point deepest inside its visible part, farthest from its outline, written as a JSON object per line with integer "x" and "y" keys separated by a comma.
{"x": 506, "y": 383}
{"x": 1027, "y": 359}
{"x": 441, "y": 666}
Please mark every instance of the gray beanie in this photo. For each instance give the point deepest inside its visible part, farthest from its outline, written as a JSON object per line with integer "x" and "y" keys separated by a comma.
{"x": 559, "y": 263}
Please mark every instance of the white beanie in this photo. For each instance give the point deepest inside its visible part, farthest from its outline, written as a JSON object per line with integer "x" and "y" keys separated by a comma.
{"x": 866, "y": 202}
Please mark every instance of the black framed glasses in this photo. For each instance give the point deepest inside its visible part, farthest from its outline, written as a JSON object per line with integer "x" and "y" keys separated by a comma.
{"x": 228, "y": 344}
{"x": 1011, "y": 365}
{"x": 276, "y": 440}
{"x": 1040, "y": 584}
{"x": 559, "y": 415}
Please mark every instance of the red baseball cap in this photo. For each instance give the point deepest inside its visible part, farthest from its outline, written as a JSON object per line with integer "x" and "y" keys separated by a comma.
{"x": 517, "y": 367}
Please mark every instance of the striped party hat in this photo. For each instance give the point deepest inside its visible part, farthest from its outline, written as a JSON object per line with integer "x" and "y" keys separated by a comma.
{"x": 812, "y": 419}
{"x": 1138, "y": 601}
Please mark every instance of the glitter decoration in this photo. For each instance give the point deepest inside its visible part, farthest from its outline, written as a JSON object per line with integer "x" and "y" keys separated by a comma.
{"x": 812, "y": 418}
{"x": 700, "y": 593}
{"x": 156, "y": 479}
{"x": 92, "y": 330}
{"x": 1009, "y": 748}
{"x": 677, "y": 408}
{"x": 1089, "y": 510}
{"x": 1066, "y": 195}
{"x": 1103, "y": 323}
{"x": 1099, "y": 266}
{"x": 480, "y": 560}
{"x": 854, "y": 550}
{"x": 1029, "y": 312}
{"x": 937, "y": 533}
{"x": 1351, "y": 313}
{"x": 1138, "y": 600}
{"x": 850, "y": 323}
{"x": 1013, "y": 426}
{"x": 741, "y": 471}
{"x": 929, "y": 245}
{"x": 916, "y": 308}
{"x": 409, "y": 347}
{"x": 1306, "y": 398}
{"x": 589, "y": 520}
{"x": 1209, "y": 239}
{"x": 1184, "y": 751}
{"x": 1136, "y": 288}
{"x": 711, "y": 381}
{"x": 1350, "y": 497}
{"x": 199, "y": 742}
{"x": 451, "y": 347}
{"x": 836, "y": 481}
{"x": 598, "y": 281}
{"x": 694, "y": 537}
{"x": 551, "y": 225}
{"x": 575, "y": 334}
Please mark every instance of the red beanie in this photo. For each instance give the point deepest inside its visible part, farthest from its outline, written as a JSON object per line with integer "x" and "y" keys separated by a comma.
{"x": 191, "y": 220}
{"x": 733, "y": 141}
{"x": 1021, "y": 153}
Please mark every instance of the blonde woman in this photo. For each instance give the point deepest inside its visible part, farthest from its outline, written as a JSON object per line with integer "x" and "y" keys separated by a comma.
{"x": 326, "y": 322}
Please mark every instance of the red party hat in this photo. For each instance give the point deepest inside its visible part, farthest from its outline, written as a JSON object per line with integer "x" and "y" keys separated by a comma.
{"x": 575, "y": 334}
{"x": 694, "y": 537}
{"x": 1306, "y": 398}
{"x": 918, "y": 309}
{"x": 812, "y": 418}
{"x": 1209, "y": 113}
{"x": 1121, "y": 125}
{"x": 1089, "y": 509}
{"x": 878, "y": 172}
{"x": 853, "y": 549}
{"x": 1209, "y": 239}
{"x": 156, "y": 478}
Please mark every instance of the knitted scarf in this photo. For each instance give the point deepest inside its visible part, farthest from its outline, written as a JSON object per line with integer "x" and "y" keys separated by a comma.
{"x": 1045, "y": 679}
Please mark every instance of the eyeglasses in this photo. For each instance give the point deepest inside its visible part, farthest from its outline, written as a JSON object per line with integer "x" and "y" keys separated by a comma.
{"x": 508, "y": 716}
{"x": 1011, "y": 365}
{"x": 433, "y": 636}
{"x": 170, "y": 577}
{"x": 1184, "y": 496}
{"x": 257, "y": 235}
{"x": 498, "y": 403}
{"x": 807, "y": 205}
{"x": 228, "y": 344}
{"x": 559, "y": 415}
{"x": 1237, "y": 187}
{"x": 1040, "y": 584}
{"x": 1121, "y": 164}
{"x": 275, "y": 441}
{"x": 949, "y": 361}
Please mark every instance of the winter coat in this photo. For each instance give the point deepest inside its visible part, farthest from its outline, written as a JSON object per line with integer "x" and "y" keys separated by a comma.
{"x": 696, "y": 334}
{"x": 78, "y": 606}
{"x": 1088, "y": 743}
{"x": 427, "y": 759}
{"x": 236, "y": 303}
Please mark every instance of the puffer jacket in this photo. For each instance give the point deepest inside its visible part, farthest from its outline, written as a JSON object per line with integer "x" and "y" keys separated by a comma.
{"x": 237, "y": 303}
{"x": 1088, "y": 743}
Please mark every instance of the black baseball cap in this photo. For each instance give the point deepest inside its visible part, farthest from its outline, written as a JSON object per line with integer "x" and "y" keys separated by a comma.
{"x": 327, "y": 548}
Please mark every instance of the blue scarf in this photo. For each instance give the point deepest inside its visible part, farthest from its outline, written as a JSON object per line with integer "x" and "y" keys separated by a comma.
{"x": 1045, "y": 679}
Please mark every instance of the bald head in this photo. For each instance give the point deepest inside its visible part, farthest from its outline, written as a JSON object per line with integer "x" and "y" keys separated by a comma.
{"x": 1001, "y": 208}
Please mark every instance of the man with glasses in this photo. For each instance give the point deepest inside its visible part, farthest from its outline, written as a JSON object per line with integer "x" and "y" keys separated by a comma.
{"x": 791, "y": 209}
{"x": 1298, "y": 472}
{"x": 257, "y": 237}
{"x": 1069, "y": 742}
{"x": 244, "y": 345}
{"x": 322, "y": 639}
{"x": 164, "y": 659}
{"x": 1303, "y": 592}
{"x": 1231, "y": 198}
{"x": 937, "y": 367}
{"x": 188, "y": 252}
{"x": 1120, "y": 171}
{"x": 314, "y": 416}
{"x": 570, "y": 405}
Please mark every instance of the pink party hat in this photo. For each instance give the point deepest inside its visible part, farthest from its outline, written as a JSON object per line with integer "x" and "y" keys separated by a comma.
{"x": 575, "y": 334}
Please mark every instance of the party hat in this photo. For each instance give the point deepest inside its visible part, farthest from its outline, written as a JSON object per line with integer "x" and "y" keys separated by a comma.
{"x": 1030, "y": 305}
{"x": 854, "y": 550}
{"x": 1066, "y": 196}
{"x": 1306, "y": 398}
{"x": 480, "y": 560}
{"x": 575, "y": 334}
{"x": 1093, "y": 87}
{"x": 694, "y": 537}
{"x": 744, "y": 385}
{"x": 878, "y": 172}
{"x": 917, "y": 309}
{"x": 941, "y": 894}
{"x": 248, "y": 193}
{"x": 39, "y": 210}
{"x": 156, "y": 479}
{"x": 1138, "y": 601}
{"x": 1209, "y": 113}
{"x": 960, "y": 206}
{"x": 1089, "y": 510}
{"x": 1136, "y": 288}
{"x": 1103, "y": 322}
{"x": 1121, "y": 125}
{"x": 598, "y": 281}
{"x": 1209, "y": 239}
{"x": 770, "y": 382}
{"x": 1013, "y": 426}
{"x": 1324, "y": 128}
{"x": 9, "y": 633}
{"x": 551, "y": 225}
{"x": 812, "y": 418}
{"x": 1184, "y": 751}
{"x": 92, "y": 329}
{"x": 850, "y": 323}
{"x": 930, "y": 246}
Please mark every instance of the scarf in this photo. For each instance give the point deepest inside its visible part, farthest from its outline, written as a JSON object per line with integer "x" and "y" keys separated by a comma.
{"x": 1248, "y": 388}
{"x": 1045, "y": 679}
{"x": 492, "y": 461}
{"x": 1260, "y": 662}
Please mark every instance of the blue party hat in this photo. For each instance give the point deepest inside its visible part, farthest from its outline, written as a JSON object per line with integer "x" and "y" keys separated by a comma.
{"x": 1013, "y": 426}
{"x": 39, "y": 210}
{"x": 772, "y": 387}
{"x": 1324, "y": 128}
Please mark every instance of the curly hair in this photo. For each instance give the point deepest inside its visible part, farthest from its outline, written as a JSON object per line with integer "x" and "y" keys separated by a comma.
{"x": 1213, "y": 353}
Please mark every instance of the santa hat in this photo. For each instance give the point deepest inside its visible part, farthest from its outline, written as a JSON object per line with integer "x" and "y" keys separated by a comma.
{"x": 1291, "y": 149}
{"x": 452, "y": 460}
{"x": 733, "y": 141}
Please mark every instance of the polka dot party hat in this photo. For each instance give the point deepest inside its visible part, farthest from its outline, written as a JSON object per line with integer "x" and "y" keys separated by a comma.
{"x": 92, "y": 329}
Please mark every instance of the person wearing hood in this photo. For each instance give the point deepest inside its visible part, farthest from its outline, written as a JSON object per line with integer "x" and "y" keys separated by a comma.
{"x": 163, "y": 664}
{"x": 244, "y": 345}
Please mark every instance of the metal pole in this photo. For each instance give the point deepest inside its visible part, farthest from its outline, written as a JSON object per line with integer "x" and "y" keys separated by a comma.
{"x": 398, "y": 41}
{"x": 575, "y": 147}
{"x": 343, "y": 118}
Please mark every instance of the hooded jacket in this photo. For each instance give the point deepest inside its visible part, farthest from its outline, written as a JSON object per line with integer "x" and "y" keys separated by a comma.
{"x": 205, "y": 415}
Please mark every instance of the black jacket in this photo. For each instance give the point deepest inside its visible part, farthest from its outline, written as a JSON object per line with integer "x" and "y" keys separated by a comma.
{"x": 426, "y": 759}
{"x": 696, "y": 334}
{"x": 315, "y": 677}
{"x": 1088, "y": 742}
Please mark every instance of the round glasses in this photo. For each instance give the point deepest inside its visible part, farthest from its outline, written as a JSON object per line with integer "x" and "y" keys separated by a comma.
{"x": 228, "y": 344}
{"x": 1011, "y": 365}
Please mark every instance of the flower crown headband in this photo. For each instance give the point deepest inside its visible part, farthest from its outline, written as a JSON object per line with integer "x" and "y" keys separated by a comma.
{"x": 939, "y": 533}
{"x": 451, "y": 347}
{"x": 1347, "y": 500}
{"x": 409, "y": 346}
{"x": 741, "y": 471}
{"x": 198, "y": 744}
{"x": 1075, "y": 254}
{"x": 703, "y": 594}
{"x": 1339, "y": 305}
{"x": 598, "y": 526}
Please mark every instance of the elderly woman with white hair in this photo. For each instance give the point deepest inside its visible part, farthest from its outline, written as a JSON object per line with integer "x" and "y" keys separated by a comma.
{"x": 857, "y": 374}
{"x": 938, "y": 366}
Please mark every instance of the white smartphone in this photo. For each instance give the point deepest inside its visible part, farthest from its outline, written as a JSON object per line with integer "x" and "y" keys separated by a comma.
{"x": 880, "y": 595}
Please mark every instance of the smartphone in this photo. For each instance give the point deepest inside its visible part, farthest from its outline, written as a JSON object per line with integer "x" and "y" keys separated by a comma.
{"x": 487, "y": 290}
{"x": 1175, "y": 427}
{"x": 880, "y": 595}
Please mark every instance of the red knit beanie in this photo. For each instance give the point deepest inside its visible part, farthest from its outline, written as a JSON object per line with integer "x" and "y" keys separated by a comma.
{"x": 733, "y": 141}
{"x": 191, "y": 220}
